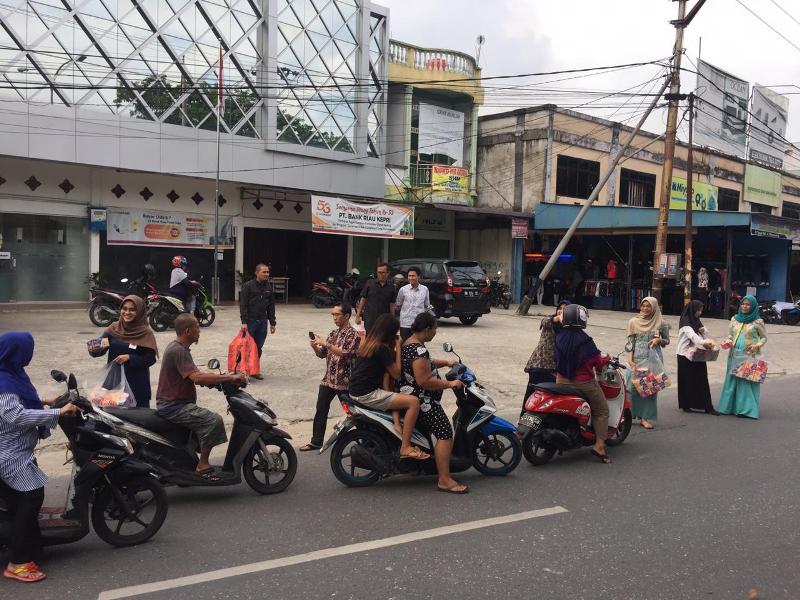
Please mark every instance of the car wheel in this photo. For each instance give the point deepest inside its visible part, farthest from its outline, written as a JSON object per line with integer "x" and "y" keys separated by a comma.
{"x": 468, "y": 319}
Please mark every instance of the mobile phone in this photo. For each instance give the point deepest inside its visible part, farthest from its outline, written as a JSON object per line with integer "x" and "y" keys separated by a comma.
{"x": 312, "y": 335}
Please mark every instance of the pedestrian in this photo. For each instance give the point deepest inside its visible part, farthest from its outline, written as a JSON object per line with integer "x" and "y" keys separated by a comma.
{"x": 131, "y": 343}
{"x": 24, "y": 420}
{"x": 412, "y": 299}
{"x": 339, "y": 351}
{"x": 647, "y": 332}
{"x": 693, "y": 390}
{"x": 541, "y": 366}
{"x": 377, "y": 298}
{"x": 257, "y": 308}
{"x": 746, "y": 338}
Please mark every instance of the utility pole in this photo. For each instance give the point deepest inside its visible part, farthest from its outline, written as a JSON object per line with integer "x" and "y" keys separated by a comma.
{"x": 687, "y": 259}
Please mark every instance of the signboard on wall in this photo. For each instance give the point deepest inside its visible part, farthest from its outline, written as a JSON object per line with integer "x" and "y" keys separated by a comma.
{"x": 134, "y": 227}
{"x": 668, "y": 265}
{"x": 450, "y": 179}
{"x": 441, "y": 135}
{"x": 768, "y": 126}
{"x": 342, "y": 217}
{"x": 430, "y": 219}
{"x": 762, "y": 186}
{"x": 519, "y": 228}
{"x": 97, "y": 219}
{"x": 705, "y": 195}
{"x": 722, "y": 101}
{"x": 763, "y": 225}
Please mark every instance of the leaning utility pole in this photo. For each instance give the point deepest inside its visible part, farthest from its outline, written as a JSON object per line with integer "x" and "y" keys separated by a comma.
{"x": 688, "y": 234}
{"x": 680, "y": 24}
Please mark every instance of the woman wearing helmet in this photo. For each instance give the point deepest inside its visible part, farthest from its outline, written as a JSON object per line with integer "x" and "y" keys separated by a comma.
{"x": 179, "y": 283}
{"x": 577, "y": 358}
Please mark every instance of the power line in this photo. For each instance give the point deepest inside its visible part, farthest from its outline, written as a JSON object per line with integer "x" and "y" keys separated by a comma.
{"x": 757, "y": 16}
{"x": 786, "y": 12}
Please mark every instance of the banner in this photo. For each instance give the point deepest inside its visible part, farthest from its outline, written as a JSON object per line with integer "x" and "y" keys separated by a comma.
{"x": 519, "y": 228}
{"x": 342, "y": 217}
{"x": 450, "y": 179}
{"x": 762, "y": 186}
{"x": 134, "y": 227}
{"x": 705, "y": 195}
{"x": 441, "y": 135}
{"x": 768, "y": 120}
{"x": 775, "y": 227}
{"x": 721, "y": 110}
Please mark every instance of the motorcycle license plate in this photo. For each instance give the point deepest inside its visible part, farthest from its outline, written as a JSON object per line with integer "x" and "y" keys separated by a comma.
{"x": 531, "y": 421}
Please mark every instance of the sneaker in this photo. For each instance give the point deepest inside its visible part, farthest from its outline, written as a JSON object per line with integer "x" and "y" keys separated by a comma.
{"x": 258, "y": 376}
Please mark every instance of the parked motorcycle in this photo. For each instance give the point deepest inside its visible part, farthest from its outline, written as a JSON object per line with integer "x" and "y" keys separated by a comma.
{"x": 778, "y": 313}
{"x": 366, "y": 446}
{"x": 337, "y": 288}
{"x": 128, "y": 504}
{"x": 499, "y": 292}
{"x": 557, "y": 417}
{"x": 105, "y": 303}
{"x": 164, "y": 312}
{"x": 257, "y": 448}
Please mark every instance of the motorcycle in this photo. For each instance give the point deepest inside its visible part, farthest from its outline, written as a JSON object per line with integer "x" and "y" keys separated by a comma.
{"x": 366, "y": 446}
{"x": 105, "y": 303}
{"x": 775, "y": 312}
{"x": 128, "y": 504}
{"x": 499, "y": 292}
{"x": 257, "y": 448}
{"x": 337, "y": 288}
{"x": 557, "y": 417}
{"x": 164, "y": 311}
{"x": 203, "y": 308}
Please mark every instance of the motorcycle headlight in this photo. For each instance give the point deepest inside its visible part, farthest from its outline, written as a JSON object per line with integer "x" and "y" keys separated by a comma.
{"x": 266, "y": 418}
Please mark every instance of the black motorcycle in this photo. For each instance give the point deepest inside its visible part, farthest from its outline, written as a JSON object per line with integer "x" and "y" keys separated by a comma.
{"x": 338, "y": 288}
{"x": 128, "y": 504}
{"x": 499, "y": 292}
{"x": 257, "y": 448}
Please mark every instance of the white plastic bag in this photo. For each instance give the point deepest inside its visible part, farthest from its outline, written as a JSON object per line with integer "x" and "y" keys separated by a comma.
{"x": 111, "y": 388}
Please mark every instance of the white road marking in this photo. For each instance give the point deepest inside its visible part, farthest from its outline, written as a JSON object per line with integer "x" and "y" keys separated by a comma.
{"x": 277, "y": 563}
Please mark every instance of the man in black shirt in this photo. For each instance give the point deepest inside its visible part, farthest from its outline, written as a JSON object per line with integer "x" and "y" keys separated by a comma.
{"x": 377, "y": 298}
{"x": 257, "y": 306}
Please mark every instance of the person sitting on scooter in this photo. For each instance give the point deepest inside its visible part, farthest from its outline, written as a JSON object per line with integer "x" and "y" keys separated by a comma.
{"x": 378, "y": 356}
{"x": 577, "y": 358}
{"x": 23, "y": 422}
{"x": 421, "y": 379}
{"x": 176, "y": 397}
{"x": 180, "y": 285}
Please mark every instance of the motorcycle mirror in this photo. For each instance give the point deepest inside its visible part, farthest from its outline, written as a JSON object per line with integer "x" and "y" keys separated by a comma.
{"x": 447, "y": 347}
{"x": 124, "y": 280}
{"x": 58, "y": 376}
{"x": 213, "y": 364}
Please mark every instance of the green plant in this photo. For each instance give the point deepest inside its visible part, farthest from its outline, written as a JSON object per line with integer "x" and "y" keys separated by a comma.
{"x": 242, "y": 277}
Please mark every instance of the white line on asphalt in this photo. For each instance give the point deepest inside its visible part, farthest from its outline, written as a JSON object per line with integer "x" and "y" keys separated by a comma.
{"x": 277, "y": 563}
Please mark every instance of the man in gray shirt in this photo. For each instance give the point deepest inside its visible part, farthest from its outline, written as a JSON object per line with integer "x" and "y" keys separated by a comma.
{"x": 412, "y": 299}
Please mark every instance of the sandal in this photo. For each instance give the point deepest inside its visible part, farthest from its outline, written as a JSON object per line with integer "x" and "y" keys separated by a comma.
{"x": 456, "y": 488}
{"x": 648, "y": 426}
{"x": 27, "y": 573}
{"x": 604, "y": 458}
{"x": 416, "y": 454}
{"x": 309, "y": 447}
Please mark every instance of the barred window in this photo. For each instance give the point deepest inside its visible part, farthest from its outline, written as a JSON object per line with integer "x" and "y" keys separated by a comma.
{"x": 637, "y": 189}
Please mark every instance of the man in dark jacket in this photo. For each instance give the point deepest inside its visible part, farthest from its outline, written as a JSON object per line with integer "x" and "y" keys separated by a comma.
{"x": 257, "y": 306}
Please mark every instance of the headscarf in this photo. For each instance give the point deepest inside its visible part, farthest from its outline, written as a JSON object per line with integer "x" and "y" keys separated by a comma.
{"x": 136, "y": 332}
{"x": 563, "y": 302}
{"x": 16, "y": 352}
{"x": 687, "y": 316}
{"x": 755, "y": 311}
{"x": 573, "y": 348}
{"x": 640, "y": 324}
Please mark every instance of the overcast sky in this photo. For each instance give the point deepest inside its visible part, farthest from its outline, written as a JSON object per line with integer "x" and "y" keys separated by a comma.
{"x": 524, "y": 36}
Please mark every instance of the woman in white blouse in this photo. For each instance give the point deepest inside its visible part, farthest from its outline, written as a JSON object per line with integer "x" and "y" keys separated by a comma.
{"x": 693, "y": 390}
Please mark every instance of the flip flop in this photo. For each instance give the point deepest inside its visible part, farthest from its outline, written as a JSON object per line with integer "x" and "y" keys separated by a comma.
{"x": 27, "y": 573}
{"x": 604, "y": 458}
{"x": 453, "y": 489}
{"x": 309, "y": 447}
{"x": 416, "y": 454}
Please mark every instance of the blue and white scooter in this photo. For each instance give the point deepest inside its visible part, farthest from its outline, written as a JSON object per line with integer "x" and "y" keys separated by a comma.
{"x": 366, "y": 446}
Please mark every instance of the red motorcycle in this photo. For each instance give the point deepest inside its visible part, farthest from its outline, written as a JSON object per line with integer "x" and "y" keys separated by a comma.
{"x": 557, "y": 417}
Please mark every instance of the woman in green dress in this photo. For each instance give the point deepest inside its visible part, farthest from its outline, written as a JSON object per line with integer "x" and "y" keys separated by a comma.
{"x": 747, "y": 336}
{"x": 646, "y": 331}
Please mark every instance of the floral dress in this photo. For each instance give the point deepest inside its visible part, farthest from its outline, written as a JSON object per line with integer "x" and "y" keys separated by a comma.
{"x": 639, "y": 346}
{"x": 431, "y": 413}
{"x": 739, "y": 396}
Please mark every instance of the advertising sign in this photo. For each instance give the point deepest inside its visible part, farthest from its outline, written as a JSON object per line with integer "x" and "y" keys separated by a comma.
{"x": 450, "y": 179}
{"x": 721, "y": 110}
{"x": 768, "y": 126}
{"x": 97, "y": 219}
{"x": 342, "y": 217}
{"x": 668, "y": 265}
{"x": 775, "y": 227}
{"x": 762, "y": 186}
{"x": 519, "y": 228}
{"x": 441, "y": 135}
{"x": 705, "y": 195}
{"x": 134, "y": 227}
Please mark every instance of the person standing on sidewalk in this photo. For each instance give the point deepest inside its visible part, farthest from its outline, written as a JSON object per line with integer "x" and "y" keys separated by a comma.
{"x": 412, "y": 299}
{"x": 377, "y": 298}
{"x": 693, "y": 390}
{"x": 339, "y": 352}
{"x": 257, "y": 307}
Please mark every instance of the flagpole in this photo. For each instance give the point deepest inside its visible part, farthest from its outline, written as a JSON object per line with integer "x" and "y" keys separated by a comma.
{"x": 216, "y": 187}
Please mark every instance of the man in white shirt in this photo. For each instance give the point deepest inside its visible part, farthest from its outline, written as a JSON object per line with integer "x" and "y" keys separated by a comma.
{"x": 412, "y": 299}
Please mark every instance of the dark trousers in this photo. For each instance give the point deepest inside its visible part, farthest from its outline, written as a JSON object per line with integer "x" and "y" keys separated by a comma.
{"x": 258, "y": 329}
{"x": 324, "y": 398}
{"x": 24, "y": 507}
{"x": 405, "y": 333}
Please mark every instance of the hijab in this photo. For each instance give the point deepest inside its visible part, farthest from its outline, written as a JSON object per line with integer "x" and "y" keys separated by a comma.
{"x": 573, "y": 348}
{"x": 16, "y": 352}
{"x": 137, "y": 332}
{"x": 754, "y": 313}
{"x": 687, "y": 316}
{"x": 640, "y": 324}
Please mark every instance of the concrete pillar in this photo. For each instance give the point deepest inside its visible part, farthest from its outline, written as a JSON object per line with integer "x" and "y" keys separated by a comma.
{"x": 518, "y": 262}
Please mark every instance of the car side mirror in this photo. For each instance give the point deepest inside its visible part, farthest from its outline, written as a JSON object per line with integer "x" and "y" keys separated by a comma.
{"x": 447, "y": 347}
{"x": 213, "y": 364}
{"x": 58, "y": 376}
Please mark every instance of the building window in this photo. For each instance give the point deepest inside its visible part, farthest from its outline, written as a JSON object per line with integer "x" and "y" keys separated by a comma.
{"x": 637, "y": 189}
{"x": 755, "y": 207}
{"x": 576, "y": 177}
{"x": 791, "y": 210}
{"x": 728, "y": 199}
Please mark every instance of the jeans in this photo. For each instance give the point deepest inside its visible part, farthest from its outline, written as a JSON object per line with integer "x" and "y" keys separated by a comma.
{"x": 324, "y": 398}
{"x": 25, "y": 539}
{"x": 258, "y": 329}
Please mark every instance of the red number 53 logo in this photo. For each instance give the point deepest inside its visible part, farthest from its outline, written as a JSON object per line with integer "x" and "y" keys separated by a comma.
{"x": 323, "y": 207}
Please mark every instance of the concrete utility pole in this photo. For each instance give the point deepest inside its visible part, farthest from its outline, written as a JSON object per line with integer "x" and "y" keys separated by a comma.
{"x": 680, "y": 24}
{"x": 687, "y": 260}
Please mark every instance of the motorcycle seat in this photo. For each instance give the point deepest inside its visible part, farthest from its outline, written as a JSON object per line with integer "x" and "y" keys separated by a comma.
{"x": 560, "y": 389}
{"x": 349, "y": 400}
{"x": 150, "y": 420}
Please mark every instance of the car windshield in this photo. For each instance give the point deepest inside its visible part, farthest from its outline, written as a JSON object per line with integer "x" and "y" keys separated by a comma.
{"x": 466, "y": 272}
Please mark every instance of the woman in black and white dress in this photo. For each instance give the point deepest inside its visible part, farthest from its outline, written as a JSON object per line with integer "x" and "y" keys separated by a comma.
{"x": 693, "y": 390}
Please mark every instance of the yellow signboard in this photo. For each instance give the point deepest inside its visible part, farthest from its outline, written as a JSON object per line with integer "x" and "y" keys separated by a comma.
{"x": 705, "y": 195}
{"x": 450, "y": 179}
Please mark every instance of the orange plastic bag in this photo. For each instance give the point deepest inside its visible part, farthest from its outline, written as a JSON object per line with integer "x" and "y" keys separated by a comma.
{"x": 243, "y": 354}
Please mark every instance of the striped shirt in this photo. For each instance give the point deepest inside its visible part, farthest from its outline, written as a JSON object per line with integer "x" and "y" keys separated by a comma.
{"x": 18, "y": 437}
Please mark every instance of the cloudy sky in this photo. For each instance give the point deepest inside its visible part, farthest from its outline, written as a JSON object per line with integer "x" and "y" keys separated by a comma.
{"x": 528, "y": 36}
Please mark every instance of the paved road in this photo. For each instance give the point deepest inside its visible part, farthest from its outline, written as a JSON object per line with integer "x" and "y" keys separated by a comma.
{"x": 702, "y": 507}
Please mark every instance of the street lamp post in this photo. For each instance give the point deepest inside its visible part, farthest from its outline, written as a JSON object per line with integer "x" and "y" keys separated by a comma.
{"x": 79, "y": 59}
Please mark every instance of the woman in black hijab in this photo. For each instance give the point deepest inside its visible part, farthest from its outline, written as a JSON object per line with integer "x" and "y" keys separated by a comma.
{"x": 693, "y": 390}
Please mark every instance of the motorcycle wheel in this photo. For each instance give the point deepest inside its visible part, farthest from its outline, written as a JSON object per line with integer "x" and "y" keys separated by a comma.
{"x": 207, "y": 316}
{"x": 490, "y": 454}
{"x": 144, "y": 498}
{"x": 625, "y": 429}
{"x": 791, "y": 317}
{"x": 534, "y": 453}
{"x": 273, "y": 471}
{"x": 318, "y": 301}
{"x": 506, "y": 303}
{"x": 158, "y": 320}
{"x": 341, "y": 463}
{"x": 468, "y": 319}
{"x": 99, "y": 315}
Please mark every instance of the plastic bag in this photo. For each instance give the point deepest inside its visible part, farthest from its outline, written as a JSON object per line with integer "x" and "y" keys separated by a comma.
{"x": 111, "y": 388}
{"x": 701, "y": 354}
{"x": 650, "y": 377}
{"x": 243, "y": 354}
{"x": 748, "y": 367}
